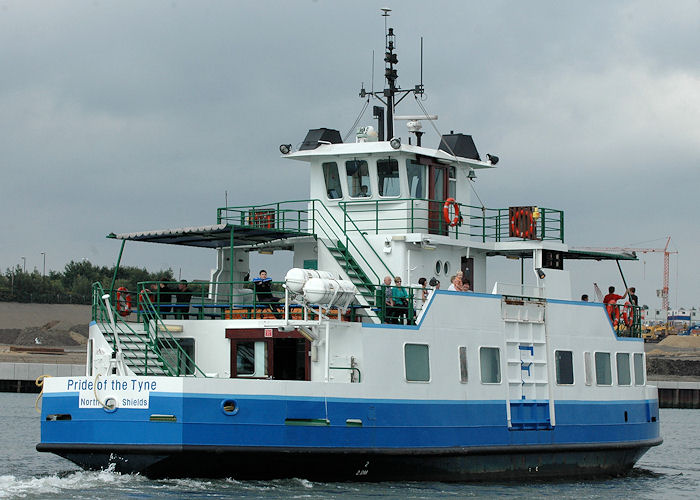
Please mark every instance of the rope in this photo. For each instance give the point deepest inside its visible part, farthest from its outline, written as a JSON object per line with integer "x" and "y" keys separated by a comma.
{"x": 94, "y": 390}
{"x": 39, "y": 383}
{"x": 359, "y": 117}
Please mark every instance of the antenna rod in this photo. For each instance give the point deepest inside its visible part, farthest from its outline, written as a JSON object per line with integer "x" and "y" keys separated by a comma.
{"x": 421, "y": 62}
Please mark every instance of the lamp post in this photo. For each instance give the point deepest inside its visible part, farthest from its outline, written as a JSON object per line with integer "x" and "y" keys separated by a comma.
{"x": 24, "y": 264}
{"x": 44, "y": 272}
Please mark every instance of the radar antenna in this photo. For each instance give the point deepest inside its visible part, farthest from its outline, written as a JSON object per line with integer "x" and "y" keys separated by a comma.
{"x": 388, "y": 96}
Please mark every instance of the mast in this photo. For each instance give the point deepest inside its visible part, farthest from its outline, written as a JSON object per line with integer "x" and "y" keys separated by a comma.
{"x": 388, "y": 96}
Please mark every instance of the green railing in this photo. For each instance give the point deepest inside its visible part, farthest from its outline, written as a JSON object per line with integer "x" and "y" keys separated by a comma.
{"x": 412, "y": 215}
{"x": 157, "y": 339}
{"x": 315, "y": 218}
{"x": 626, "y": 319}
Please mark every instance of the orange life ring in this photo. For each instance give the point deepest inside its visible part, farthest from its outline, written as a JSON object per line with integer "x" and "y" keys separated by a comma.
{"x": 614, "y": 313}
{"x": 145, "y": 298}
{"x": 515, "y": 227}
{"x": 123, "y": 301}
{"x": 446, "y": 212}
{"x": 628, "y": 314}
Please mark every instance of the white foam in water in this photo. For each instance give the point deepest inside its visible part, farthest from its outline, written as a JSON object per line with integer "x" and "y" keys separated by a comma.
{"x": 10, "y": 486}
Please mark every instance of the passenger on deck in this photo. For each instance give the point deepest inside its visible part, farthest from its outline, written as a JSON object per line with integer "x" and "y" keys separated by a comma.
{"x": 612, "y": 297}
{"x": 452, "y": 287}
{"x": 182, "y": 300}
{"x": 363, "y": 191}
{"x": 424, "y": 291}
{"x": 389, "y": 313}
{"x": 434, "y": 283}
{"x": 610, "y": 301}
{"x": 400, "y": 297}
{"x": 263, "y": 291}
{"x": 165, "y": 299}
{"x": 634, "y": 300}
{"x": 584, "y": 297}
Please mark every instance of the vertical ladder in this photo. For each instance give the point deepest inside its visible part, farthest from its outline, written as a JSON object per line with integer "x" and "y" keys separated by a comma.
{"x": 528, "y": 399}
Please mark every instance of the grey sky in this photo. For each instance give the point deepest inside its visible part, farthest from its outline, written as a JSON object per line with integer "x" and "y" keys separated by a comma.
{"x": 125, "y": 116}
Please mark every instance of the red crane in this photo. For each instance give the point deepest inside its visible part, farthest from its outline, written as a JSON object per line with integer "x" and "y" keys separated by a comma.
{"x": 663, "y": 293}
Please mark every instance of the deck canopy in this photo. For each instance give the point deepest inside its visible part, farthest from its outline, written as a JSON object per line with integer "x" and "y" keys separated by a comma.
{"x": 525, "y": 252}
{"x": 214, "y": 236}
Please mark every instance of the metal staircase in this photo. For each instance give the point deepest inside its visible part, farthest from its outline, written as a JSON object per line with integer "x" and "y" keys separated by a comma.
{"x": 529, "y": 403}
{"x": 148, "y": 347}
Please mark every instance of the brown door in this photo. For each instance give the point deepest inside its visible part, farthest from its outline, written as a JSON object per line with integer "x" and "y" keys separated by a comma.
{"x": 437, "y": 194}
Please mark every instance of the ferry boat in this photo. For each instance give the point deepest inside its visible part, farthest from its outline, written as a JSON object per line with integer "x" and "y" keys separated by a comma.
{"x": 340, "y": 372}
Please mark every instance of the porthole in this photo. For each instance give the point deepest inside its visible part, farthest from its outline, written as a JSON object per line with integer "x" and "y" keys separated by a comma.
{"x": 229, "y": 407}
{"x": 447, "y": 268}
{"x": 438, "y": 267}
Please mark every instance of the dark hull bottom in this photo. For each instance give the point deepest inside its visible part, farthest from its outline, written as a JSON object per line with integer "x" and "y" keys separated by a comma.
{"x": 468, "y": 464}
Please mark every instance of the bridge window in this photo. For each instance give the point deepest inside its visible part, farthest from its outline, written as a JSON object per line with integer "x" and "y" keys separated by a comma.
{"x": 388, "y": 177}
{"x": 417, "y": 362}
{"x": 565, "y": 367}
{"x": 416, "y": 179}
{"x": 463, "y": 374}
{"x": 330, "y": 174}
{"x": 638, "y": 368}
{"x": 603, "y": 371}
{"x": 358, "y": 178}
{"x": 623, "y": 368}
{"x": 490, "y": 359}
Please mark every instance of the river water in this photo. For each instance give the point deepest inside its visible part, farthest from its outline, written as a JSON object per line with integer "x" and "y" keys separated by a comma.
{"x": 671, "y": 470}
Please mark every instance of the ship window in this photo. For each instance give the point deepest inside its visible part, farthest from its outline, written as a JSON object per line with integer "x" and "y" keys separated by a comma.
{"x": 330, "y": 174}
{"x": 438, "y": 267}
{"x": 388, "y": 177}
{"x": 452, "y": 184}
{"x": 588, "y": 367}
{"x": 565, "y": 367}
{"x": 490, "y": 358}
{"x": 251, "y": 359}
{"x": 638, "y": 368}
{"x": 417, "y": 361}
{"x": 358, "y": 178}
{"x": 416, "y": 179}
{"x": 603, "y": 372}
{"x": 463, "y": 374}
{"x": 623, "y": 368}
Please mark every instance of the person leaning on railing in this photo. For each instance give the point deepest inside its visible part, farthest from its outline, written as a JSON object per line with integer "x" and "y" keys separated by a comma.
{"x": 182, "y": 300}
{"x": 263, "y": 291}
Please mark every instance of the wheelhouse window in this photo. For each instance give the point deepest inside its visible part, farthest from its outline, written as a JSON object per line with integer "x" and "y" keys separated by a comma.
{"x": 358, "y": 178}
{"x": 490, "y": 361}
{"x": 638, "y": 368}
{"x": 417, "y": 362}
{"x": 565, "y": 367}
{"x": 416, "y": 179}
{"x": 463, "y": 374}
{"x": 330, "y": 174}
{"x": 623, "y": 368}
{"x": 603, "y": 371}
{"x": 388, "y": 178}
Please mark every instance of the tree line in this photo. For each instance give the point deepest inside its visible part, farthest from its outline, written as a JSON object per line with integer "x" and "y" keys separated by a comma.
{"x": 71, "y": 286}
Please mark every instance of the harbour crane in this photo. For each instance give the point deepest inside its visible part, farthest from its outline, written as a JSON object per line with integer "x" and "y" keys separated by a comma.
{"x": 663, "y": 293}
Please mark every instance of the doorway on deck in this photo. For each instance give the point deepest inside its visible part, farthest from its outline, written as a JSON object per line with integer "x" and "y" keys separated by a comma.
{"x": 269, "y": 353}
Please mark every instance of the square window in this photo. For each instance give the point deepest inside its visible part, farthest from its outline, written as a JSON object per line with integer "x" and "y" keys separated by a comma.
{"x": 417, "y": 362}
{"x": 463, "y": 374}
{"x": 622, "y": 360}
{"x": 490, "y": 358}
{"x": 638, "y": 368}
{"x": 603, "y": 371}
{"x": 565, "y": 367}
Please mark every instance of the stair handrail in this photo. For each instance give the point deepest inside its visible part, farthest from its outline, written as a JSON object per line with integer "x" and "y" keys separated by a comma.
{"x": 348, "y": 240}
{"x": 100, "y": 313}
{"x": 150, "y": 317}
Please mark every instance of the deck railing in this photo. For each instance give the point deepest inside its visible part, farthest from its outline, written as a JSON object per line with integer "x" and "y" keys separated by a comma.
{"x": 394, "y": 215}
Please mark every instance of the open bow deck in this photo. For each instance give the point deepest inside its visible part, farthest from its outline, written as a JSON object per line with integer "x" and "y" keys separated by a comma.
{"x": 339, "y": 373}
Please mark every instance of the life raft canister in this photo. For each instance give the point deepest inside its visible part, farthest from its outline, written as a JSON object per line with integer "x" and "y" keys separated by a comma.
{"x": 450, "y": 202}
{"x": 516, "y": 224}
{"x": 123, "y": 301}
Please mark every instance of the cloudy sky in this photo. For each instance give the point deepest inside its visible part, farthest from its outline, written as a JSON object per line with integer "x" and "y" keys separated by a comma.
{"x": 124, "y": 116}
